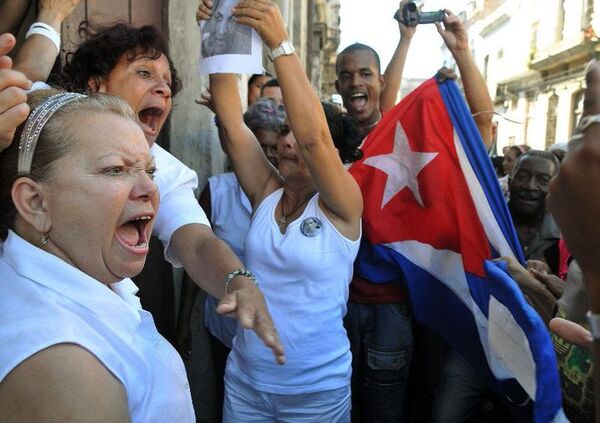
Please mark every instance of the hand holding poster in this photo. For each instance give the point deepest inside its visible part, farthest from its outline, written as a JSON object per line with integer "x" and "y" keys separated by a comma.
{"x": 227, "y": 46}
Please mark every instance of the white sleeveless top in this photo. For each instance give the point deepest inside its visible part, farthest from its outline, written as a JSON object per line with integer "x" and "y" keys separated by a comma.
{"x": 230, "y": 217}
{"x": 44, "y": 301}
{"x": 305, "y": 282}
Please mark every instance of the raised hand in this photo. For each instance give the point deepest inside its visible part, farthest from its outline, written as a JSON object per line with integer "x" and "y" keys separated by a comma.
{"x": 538, "y": 265}
{"x": 453, "y": 32}
{"x": 406, "y": 31}
{"x": 444, "y": 73}
{"x": 265, "y": 18}
{"x": 204, "y": 10}
{"x": 13, "y": 99}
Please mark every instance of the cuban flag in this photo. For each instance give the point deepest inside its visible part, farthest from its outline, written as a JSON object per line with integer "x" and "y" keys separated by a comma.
{"x": 434, "y": 216}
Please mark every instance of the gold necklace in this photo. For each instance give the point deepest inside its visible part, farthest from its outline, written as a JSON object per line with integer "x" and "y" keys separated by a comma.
{"x": 284, "y": 215}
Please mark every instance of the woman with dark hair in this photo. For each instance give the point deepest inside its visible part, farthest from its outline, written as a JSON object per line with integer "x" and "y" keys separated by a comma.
{"x": 130, "y": 62}
{"x": 229, "y": 212}
{"x": 105, "y": 47}
{"x": 303, "y": 238}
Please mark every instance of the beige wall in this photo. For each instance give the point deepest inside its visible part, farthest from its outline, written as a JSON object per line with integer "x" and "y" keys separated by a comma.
{"x": 192, "y": 134}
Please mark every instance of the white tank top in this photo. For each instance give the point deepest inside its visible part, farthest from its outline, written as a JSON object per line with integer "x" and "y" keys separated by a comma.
{"x": 44, "y": 301}
{"x": 304, "y": 275}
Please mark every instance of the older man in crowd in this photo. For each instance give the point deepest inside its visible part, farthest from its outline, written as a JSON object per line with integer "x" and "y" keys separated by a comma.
{"x": 528, "y": 186}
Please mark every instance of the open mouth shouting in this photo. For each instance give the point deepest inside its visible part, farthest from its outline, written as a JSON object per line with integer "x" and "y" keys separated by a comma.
{"x": 134, "y": 234}
{"x": 150, "y": 120}
{"x": 358, "y": 101}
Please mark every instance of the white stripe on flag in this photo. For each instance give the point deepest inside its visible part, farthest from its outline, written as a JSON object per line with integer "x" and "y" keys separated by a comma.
{"x": 447, "y": 266}
{"x": 512, "y": 346}
{"x": 484, "y": 211}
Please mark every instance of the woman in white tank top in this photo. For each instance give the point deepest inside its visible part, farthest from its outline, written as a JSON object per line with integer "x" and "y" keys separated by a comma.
{"x": 302, "y": 242}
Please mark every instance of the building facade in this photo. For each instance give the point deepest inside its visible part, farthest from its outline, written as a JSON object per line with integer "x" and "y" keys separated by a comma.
{"x": 324, "y": 40}
{"x": 533, "y": 54}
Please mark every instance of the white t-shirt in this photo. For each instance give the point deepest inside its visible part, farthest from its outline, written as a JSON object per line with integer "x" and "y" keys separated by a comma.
{"x": 178, "y": 205}
{"x": 304, "y": 275}
{"x": 44, "y": 301}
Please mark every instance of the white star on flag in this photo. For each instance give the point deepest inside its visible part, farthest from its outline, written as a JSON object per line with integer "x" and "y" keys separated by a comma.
{"x": 402, "y": 167}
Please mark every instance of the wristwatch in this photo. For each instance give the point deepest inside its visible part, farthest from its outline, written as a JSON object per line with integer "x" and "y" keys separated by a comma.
{"x": 285, "y": 49}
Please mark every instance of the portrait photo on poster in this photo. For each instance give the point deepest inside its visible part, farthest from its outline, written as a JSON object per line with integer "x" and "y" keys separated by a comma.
{"x": 227, "y": 46}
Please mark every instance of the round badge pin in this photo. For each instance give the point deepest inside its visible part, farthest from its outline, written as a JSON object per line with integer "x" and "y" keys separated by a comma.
{"x": 311, "y": 226}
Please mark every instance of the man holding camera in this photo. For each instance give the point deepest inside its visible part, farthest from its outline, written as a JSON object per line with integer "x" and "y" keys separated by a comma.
{"x": 378, "y": 321}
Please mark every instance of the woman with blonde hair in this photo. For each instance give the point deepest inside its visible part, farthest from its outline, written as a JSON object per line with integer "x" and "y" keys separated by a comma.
{"x": 77, "y": 206}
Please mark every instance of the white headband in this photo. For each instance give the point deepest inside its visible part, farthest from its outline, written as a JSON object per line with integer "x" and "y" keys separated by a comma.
{"x": 33, "y": 127}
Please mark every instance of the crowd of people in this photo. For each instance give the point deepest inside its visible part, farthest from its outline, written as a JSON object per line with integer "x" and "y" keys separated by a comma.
{"x": 296, "y": 334}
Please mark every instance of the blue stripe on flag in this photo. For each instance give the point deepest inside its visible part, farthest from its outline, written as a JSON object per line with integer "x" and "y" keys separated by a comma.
{"x": 474, "y": 148}
{"x": 548, "y": 396}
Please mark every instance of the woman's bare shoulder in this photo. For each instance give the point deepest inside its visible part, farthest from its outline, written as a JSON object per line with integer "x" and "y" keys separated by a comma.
{"x": 64, "y": 382}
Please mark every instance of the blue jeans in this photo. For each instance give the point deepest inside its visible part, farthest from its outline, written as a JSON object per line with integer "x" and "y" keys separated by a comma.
{"x": 459, "y": 391}
{"x": 381, "y": 342}
{"x": 245, "y": 404}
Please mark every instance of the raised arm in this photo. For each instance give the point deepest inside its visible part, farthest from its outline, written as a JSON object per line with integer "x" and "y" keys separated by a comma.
{"x": 254, "y": 172}
{"x": 256, "y": 175}
{"x": 456, "y": 38}
{"x": 393, "y": 71}
{"x": 338, "y": 190}
{"x": 37, "y": 55}
{"x": 208, "y": 261}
